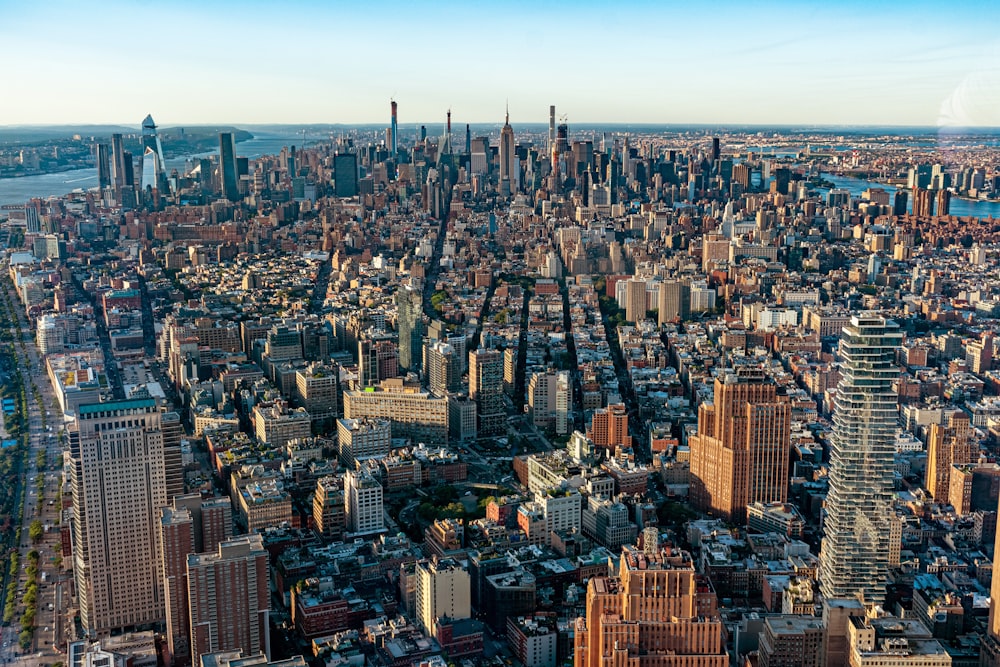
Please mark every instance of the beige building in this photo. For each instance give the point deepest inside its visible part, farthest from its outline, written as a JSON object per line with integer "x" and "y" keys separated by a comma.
{"x": 655, "y": 612}
{"x": 948, "y": 445}
{"x": 893, "y": 642}
{"x": 411, "y": 412}
{"x": 119, "y": 486}
{"x": 442, "y": 589}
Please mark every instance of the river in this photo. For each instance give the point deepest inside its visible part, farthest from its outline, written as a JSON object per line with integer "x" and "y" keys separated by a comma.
{"x": 16, "y": 191}
{"x": 960, "y": 207}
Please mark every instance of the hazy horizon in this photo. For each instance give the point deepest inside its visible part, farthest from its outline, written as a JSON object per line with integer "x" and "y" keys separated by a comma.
{"x": 305, "y": 62}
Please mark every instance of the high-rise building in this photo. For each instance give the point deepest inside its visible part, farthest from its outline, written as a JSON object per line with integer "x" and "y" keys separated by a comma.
{"x": 947, "y": 445}
{"x": 329, "y": 508}
{"x": 509, "y": 169}
{"x": 443, "y": 589}
{"x": 394, "y": 145}
{"x": 442, "y": 368}
{"x": 33, "y": 221}
{"x": 363, "y": 504}
{"x": 979, "y": 353}
{"x": 228, "y": 174}
{"x": 674, "y": 302}
{"x": 378, "y": 359}
{"x": 229, "y": 598}
{"x": 923, "y": 202}
{"x": 173, "y": 432}
{"x": 119, "y": 486}
{"x": 345, "y": 175}
{"x": 190, "y": 525}
{"x": 740, "y": 454}
{"x": 154, "y": 173}
{"x": 635, "y": 300}
{"x": 103, "y": 166}
{"x": 609, "y": 427}
{"x": 363, "y": 439}
{"x": 990, "y": 649}
{"x": 854, "y": 558}
{"x": 486, "y": 389}
{"x": 549, "y": 397}
{"x": 657, "y": 611}
{"x": 409, "y": 302}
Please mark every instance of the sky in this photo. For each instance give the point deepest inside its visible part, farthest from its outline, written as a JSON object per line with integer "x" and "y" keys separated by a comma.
{"x": 848, "y": 62}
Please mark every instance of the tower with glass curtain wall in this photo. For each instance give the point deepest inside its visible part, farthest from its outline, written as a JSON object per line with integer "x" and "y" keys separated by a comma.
{"x": 854, "y": 559}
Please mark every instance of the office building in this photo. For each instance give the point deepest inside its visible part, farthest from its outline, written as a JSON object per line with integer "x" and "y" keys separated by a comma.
{"x": 154, "y": 174}
{"x": 228, "y": 174}
{"x": 345, "y": 174}
{"x": 103, "y": 159}
{"x": 486, "y": 389}
{"x": 740, "y": 454}
{"x": 509, "y": 166}
{"x": 657, "y": 611}
{"x": 411, "y": 412}
{"x": 363, "y": 439}
{"x": 854, "y": 558}
{"x": 363, "y": 506}
{"x": 229, "y": 598}
{"x": 119, "y": 486}
{"x": 409, "y": 302}
{"x": 947, "y": 445}
{"x": 442, "y": 589}
{"x": 393, "y": 132}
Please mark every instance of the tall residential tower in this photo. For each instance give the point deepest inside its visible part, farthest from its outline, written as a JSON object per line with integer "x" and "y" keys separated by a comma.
{"x": 854, "y": 559}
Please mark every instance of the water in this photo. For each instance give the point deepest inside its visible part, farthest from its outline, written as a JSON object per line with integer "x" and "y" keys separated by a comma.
{"x": 960, "y": 207}
{"x": 16, "y": 191}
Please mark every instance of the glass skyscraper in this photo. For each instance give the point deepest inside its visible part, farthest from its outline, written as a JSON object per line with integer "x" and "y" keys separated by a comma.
{"x": 409, "y": 302}
{"x": 854, "y": 559}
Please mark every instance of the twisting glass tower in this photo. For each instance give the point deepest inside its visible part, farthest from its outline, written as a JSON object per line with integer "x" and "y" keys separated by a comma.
{"x": 854, "y": 559}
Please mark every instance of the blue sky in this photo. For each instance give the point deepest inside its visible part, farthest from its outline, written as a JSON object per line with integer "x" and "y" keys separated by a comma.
{"x": 897, "y": 63}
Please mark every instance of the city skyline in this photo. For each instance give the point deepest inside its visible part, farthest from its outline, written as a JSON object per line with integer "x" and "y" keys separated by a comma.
{"x": 782, "y": 63}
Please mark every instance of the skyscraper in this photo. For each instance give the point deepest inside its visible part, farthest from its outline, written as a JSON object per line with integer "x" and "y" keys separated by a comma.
{"x": 227, "y": 167}
{"x": 229, "y": 598}
{"x": 655, "y": 612}
{"x": 190, "y": 525}
{"x": 393, "y": 131}
{"x": 409, "y": 302}
{"x": 119, "y": 486}
{"x": 740, "y": 454}
{"x": 854, "y": 558}
{"x": 345, "y": 174}
{"x": 486, "y": 389}
{"x": 103, "y": 167}
{"x": 154, "y": 174}
{"x": 947, "y": 445}
{"x": 508, "y": 159}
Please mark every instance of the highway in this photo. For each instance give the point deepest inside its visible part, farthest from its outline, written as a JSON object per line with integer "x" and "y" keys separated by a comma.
{"x": 45, "y": 421}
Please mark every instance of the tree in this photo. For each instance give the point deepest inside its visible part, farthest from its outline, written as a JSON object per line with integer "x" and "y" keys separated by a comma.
{"x": 35, "y": 531}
